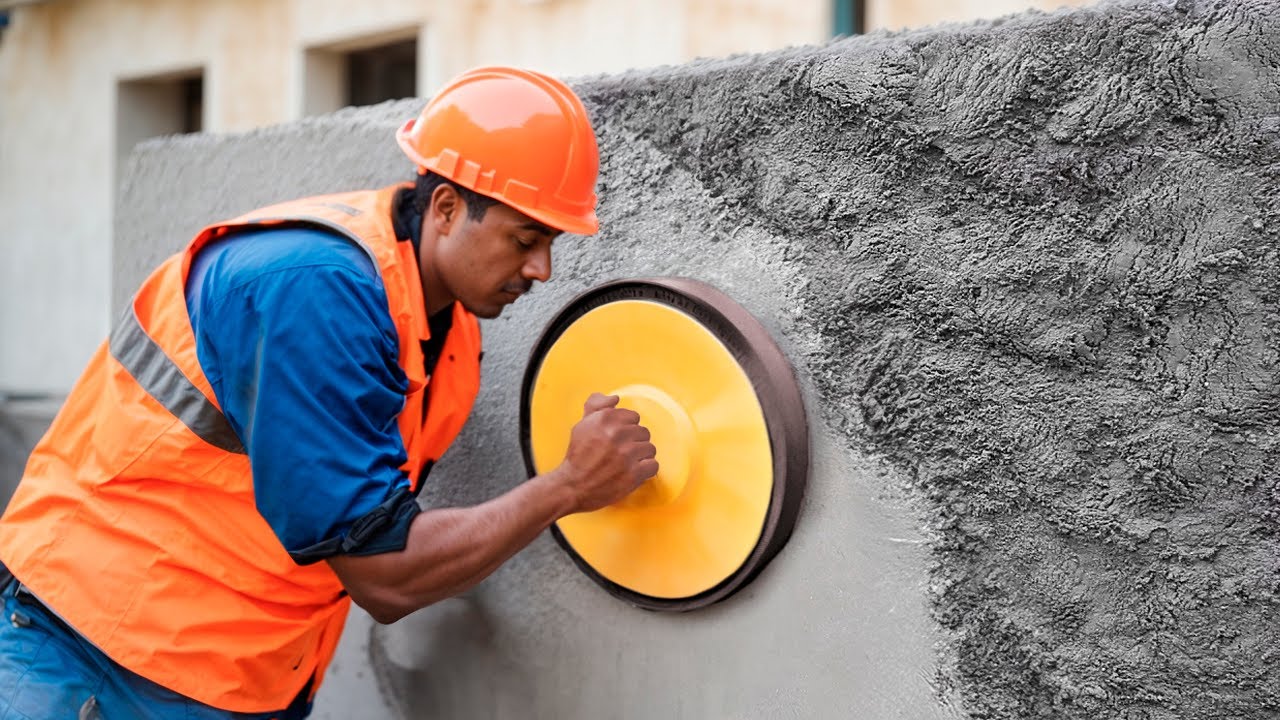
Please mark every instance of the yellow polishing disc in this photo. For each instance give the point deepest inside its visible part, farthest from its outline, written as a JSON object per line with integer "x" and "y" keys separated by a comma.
{"x": 694, "y": 524}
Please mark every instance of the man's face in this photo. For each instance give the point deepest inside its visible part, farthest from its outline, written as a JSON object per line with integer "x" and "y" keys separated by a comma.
{"x": 488, "y": 264}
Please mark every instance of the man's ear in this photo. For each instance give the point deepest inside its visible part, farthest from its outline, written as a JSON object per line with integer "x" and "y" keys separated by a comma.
{"x": 445, "y": 209}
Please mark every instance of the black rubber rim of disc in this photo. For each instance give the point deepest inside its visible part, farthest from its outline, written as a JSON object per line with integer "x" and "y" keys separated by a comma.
{"x": 775, "y": 385}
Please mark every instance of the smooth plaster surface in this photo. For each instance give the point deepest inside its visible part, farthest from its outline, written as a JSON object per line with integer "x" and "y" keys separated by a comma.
{"x": 1026, "y": 272}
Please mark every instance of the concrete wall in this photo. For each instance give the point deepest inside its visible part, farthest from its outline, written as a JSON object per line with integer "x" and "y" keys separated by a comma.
{"x": 1026, "y": 273}
{"x": 22, "y": 422}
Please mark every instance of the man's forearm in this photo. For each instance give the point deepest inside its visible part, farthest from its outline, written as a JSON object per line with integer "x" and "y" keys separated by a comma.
{"x": 450, "y": 550}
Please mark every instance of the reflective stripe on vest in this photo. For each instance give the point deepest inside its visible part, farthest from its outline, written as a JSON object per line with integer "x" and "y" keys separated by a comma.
{"x": 161, "y": 378}
{"x": 135, "y": 520}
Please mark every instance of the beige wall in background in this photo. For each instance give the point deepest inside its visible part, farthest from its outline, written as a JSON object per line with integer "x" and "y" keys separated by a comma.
{"x": 62, "y": 60}
{"x": 899, "y": 14}
{"x": 725, "y": 27}
{"x": 60, "y": 63}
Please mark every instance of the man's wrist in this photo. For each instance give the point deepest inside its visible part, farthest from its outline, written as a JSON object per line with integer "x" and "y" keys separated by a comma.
{"x": 559, "y": 493}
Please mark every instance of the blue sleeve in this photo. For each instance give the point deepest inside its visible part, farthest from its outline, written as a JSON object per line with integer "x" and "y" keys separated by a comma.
{"x": 293, "y": 331}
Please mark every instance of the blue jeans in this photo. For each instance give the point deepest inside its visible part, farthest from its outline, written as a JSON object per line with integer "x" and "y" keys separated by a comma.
{"x": 49, "y": 671}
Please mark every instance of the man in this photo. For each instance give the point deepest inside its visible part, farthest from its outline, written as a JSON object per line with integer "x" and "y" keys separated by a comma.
{"x": 241, "y": 457}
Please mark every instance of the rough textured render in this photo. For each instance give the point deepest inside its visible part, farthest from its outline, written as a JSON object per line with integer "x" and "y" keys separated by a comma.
{"x": 1026, "y": 271}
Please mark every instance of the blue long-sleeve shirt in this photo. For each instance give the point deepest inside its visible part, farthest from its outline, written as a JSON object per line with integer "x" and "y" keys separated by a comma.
{"x": 293, "y": 331}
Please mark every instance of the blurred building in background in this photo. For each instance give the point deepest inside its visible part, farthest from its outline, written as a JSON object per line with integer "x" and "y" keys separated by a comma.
{"x": 83, "y": 81}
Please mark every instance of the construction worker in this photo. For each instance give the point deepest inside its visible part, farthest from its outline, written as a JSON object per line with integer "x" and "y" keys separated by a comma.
{"x": 241, "y": 457}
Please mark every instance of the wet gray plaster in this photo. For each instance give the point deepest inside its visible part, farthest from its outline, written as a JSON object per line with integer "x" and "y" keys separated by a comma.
{"x": 1026, "y": 271}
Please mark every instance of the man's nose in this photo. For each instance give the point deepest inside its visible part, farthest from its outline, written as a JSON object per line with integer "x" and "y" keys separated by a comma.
{"x": 537, "y": 266}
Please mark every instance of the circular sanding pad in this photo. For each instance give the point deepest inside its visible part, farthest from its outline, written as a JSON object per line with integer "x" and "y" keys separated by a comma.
{"x": 725, "y": 414}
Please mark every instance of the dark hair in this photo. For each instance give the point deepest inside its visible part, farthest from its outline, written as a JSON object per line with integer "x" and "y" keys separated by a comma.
{"x": 427, "y": 183}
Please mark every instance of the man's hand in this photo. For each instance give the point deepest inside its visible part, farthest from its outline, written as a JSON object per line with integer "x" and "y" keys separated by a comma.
{"x": 609, "y": 455}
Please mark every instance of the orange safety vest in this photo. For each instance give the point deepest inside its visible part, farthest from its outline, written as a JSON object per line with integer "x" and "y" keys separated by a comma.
{"x": 135, "y": 520}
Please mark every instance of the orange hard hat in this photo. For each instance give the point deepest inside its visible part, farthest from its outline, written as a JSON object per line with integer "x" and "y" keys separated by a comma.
{"x": 518, "y": 136}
